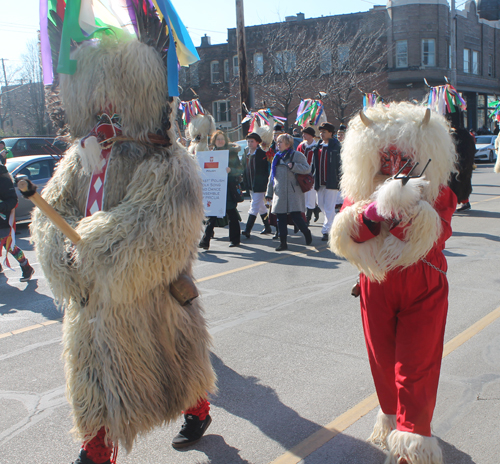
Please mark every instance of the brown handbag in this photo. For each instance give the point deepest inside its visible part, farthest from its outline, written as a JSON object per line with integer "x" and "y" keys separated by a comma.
{"x": 306, "y": 181}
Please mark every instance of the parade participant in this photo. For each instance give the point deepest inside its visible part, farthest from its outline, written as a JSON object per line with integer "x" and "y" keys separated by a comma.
{"x": 278, "y": 129}
{"x": 341, "y": 133}
{"x": 136, "y": 345}
{"x": 393, "y": 229}
{"x": 8, "y": 203}
{"x": 220, "y": 141}
{"x": 326, "y": 171}
{"x": 199, "y": 130}
{"x": 5, "y": 153}
{"x": 307, "y": 149}
{"x": 256, "y": 175}
{"x": 284, "y": 190}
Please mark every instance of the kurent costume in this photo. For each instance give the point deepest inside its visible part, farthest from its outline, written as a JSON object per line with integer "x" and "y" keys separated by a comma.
{"x": 134, "y": 356}
{"x": 394, "y": 232}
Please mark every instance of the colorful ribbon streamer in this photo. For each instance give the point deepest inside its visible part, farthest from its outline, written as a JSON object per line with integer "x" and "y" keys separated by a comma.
{"x": 445, "y": 99}
{"x": 190, "y": 109}
{"x": 309, "y": 112}
{"x": 265, "y": 118}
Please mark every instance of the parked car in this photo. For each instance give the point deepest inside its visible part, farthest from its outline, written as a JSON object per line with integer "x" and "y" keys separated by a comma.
{"x": 485, "y": 146}
{"x": 38, "y": 169}
{"x": 26, "y": 146}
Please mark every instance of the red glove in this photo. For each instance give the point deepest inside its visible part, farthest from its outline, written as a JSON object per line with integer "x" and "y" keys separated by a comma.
{"x": 371, "y": 214}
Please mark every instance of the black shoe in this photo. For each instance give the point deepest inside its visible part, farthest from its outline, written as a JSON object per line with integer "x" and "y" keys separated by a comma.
{"x": 232, "y": 245}
{"x": 316, "y": 212}
{"x": 191, "y": 432}
{"x": 325, "y": 238}
{"x": 204, "y": 245}
{"x": 83, "y": 459}
{"x": 283, "y": 245}
{"x": 249, "y": 226}
{"x": 267, "y": 226}
{"x": 308, "y": 237}
{"x": 276, "y": 236}
{"x": 1, "y": 269}
{"x": 28, "y": 271}
{"x": 464, "y": 207}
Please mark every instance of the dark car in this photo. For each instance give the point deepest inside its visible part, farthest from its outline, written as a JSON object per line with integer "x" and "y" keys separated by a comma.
{"x": 27, "y": 146}
{"x": 39, "y": 170}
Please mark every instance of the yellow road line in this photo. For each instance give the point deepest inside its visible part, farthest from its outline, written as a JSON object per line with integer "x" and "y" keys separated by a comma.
{"x": 260, "y": 263}
{"x": 348, "y": 418}
{"x": 482, "y": 201}
{"x": 31, "y": 327}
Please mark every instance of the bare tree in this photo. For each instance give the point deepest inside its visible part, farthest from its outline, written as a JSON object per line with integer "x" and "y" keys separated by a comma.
{"x": 352, "y": 61}
{"x": 291, "y": 68}
{"x": 339, "y": 57}
{"x": 8, "y": 78}
{"x": 32, "y": 108}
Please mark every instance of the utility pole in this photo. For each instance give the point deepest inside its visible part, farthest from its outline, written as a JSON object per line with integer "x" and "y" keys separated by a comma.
{"x": 453, "y": 43}
{"x": 242, "y": 63}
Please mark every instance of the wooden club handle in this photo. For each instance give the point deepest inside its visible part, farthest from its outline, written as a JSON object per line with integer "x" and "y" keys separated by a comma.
{"x": 51, "y": 213}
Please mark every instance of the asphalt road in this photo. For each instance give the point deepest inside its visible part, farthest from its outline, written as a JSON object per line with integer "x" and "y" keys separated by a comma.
{"x": 288, "y": 351}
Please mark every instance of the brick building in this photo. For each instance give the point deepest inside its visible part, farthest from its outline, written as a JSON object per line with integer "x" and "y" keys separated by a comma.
{"x": 411, "y": 41}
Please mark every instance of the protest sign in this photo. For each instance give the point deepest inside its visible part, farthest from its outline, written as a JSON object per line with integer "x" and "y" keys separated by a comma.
{"x": 213, "y": 166}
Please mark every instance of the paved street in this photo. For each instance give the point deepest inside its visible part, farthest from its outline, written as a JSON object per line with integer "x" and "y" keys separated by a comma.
{"x": 288, "y": 351}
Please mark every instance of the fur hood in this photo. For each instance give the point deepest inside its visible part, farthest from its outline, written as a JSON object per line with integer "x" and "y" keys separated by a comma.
{"x": 400, "y": 125}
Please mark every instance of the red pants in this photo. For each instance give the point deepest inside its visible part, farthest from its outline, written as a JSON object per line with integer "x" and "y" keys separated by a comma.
{"x": 404, "y": 319}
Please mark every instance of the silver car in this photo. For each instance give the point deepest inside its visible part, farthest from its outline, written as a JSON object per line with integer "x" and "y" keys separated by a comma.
{"x": 485, "y": 146}
{"x": 38, "y": 169}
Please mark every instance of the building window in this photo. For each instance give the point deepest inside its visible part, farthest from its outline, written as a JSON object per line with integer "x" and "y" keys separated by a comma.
{"x": 475, "y": 62}
{"x": 428, "y": 52}
{"x": 221, "y": 111}
{"x": 343, "y": 54}
{"x": 226, "y": 70}
{"x": 325, "y": 61}
{"x": 466, "y": 60}
{"x": 214, "y": 72}
{"x": 236, "y": 68}
{"x": 490, "y": 65}
{"x": 285, "y": 62}
{"x": 402, "y": 54}
{"x": 258, "y": 64}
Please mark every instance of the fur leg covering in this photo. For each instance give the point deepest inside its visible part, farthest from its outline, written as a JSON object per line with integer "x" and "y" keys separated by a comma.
{"x": 413, "y": 449}
{"x": 384, "y": 425}
{"x": 497, "y": 164}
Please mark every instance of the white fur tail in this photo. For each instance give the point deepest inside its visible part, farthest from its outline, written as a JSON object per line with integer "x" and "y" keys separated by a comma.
{"x": 413, "y": 448}
{"x": 90, "y": 154}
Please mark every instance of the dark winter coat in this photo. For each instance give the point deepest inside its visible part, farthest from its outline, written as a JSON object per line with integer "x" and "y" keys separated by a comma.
{"x": 461, "y": 182}
{"x": 259, "y": 166}
{"x": 8, "y": 199}
{"x": 332, "y": 165}
{"x": 233, "y": 178}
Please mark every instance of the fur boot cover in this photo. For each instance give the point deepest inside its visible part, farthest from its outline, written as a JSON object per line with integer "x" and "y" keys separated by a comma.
{"x": 413, "y": 449}
{"x": 134, "y": 357}
{"x": 497, "y": 149}
{"x": 198, "y": 131}
{"x": 400, "y": 125}
{"x": 384, "y": 425}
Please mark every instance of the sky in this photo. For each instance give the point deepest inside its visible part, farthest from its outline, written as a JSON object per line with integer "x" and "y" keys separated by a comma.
{"x": 18, "y": 25}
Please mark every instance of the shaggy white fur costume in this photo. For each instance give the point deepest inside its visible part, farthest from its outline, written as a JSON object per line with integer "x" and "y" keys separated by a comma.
{"x": 134, "y": 357}
{"x": 400, "y": 125}
{"x": 497, "y": 149}
{"x": 198, "y": 131}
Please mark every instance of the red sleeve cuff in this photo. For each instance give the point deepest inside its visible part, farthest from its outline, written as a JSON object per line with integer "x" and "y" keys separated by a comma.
{"x": 367, "y": 230}
{"x": 400, "y": 231}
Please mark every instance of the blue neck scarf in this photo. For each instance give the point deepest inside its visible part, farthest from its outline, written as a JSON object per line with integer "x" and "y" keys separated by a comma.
{"x": 277, "y": 158}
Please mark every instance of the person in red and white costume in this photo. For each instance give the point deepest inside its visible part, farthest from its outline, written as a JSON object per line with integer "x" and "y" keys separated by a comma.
{"x": 394, "y": 232}
{"x": 307, "y": 147}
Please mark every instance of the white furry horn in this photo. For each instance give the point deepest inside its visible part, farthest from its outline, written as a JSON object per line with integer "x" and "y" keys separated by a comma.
{"x": 366, "y": 120}
{"x": 427, "y": 117}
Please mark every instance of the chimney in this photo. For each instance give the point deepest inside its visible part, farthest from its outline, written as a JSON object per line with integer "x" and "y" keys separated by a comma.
{"x": 301, "y": 16}
{"x": 206, "y": 41}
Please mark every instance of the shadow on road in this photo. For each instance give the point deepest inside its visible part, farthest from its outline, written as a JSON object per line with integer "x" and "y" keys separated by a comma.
{"x": 494, "y": 238}
{"x": 454, "y": 455}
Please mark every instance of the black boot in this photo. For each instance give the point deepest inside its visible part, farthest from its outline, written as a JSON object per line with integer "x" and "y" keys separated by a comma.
{"x": 267, "y": 226}
{"x": 276, "y": 236}
{"x": 309, "y": 214}
{"x": 283, "y": 245}
{"x": 28, "y": 271}
{"x": 192, "y": 430}
{"x": 316, "y": 212}
{"x": 83, "y": 459}
{"x": 308, "y": 236}
{"x": 250, "y": 223}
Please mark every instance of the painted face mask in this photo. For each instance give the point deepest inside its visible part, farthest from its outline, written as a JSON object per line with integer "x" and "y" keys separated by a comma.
{"x": 392, "y": 160}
